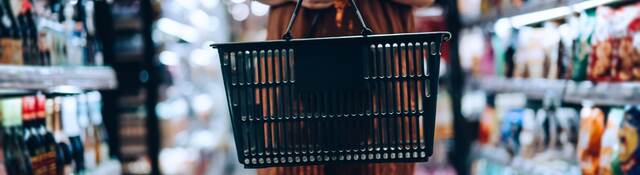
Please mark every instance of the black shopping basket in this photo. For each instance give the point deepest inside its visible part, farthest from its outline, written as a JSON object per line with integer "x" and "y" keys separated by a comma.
{"x": 369, "y": 98}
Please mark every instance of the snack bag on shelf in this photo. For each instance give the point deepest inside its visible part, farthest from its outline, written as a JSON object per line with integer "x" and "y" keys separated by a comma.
{"x": 610, "y": 146}
{"x": 499, "y": 47}
{"x": 473, "y": 40}
{"x": 569, "y": 123}
{"x": 509, "y": 54}
{"x": 487, "y": 60}
{"x": 530, "y": 136}
{"x": 601, "y": 60}
{"x": 510, "y": 129}
{"x": 488, "y": 127}
{"x": 568, "y": 34}
{"x": 628, "y": 135}
{"x": 582, "y": 47}
{"x": 549, "y": 128}
{"x": 615, "y": 57}
{"x": 529, "y": 56}
{"x": 630, "y": 51}
{"x": 550, "y": 43}
{"x": 591, "y": 129}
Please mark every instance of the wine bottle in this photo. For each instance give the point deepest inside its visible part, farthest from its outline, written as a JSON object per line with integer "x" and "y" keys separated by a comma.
{"x": 5, "y": 37}
{"x": 94, "y": 47}
{"x": 16, "y": 158}
{"x": 50, "y": 139}
{"x": 72, "y": 130}
{"x": 87, "y": 134}
{"x": 80, "y": 32}
{"x": 3, "y": 141}
{"x": 32, "y": 32}
{"x": 8, "y": 145}
{"x": 29, "y": 33}
{"x": 74, "y": 44}
{"x": 100, "y": 137}
{"x": 64, "y": 160}
{"x": 44, "y": 14}
{"x": 48, "y": 158}
{"x": 9, "y": 20}
{"x": 32, "y": 139}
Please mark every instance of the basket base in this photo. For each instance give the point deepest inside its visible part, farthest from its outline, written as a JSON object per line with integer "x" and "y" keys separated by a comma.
{"x": 335, "y": 160}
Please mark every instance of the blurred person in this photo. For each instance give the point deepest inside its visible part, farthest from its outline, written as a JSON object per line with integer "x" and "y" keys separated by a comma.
{"x": 336, "y": 18}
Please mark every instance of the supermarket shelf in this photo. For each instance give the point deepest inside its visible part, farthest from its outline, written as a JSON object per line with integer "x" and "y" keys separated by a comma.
{"x": 57, "y": 77}
{"x": 510, "y": 12}
{"x": 609, "y": 94}
{"x": 106, "y": 168}
{"x": 542, "y": 163}
{"x": 9, "y": 93}
{"x": 537, "y": 6}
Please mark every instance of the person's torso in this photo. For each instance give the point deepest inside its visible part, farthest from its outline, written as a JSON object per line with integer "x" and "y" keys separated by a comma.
{"x": 382, "y": 16}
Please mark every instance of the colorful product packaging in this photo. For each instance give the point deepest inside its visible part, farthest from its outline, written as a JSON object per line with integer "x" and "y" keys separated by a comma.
{"x": 591, "y": 130}
{"x": 628, "y": 135}
{"x": 616, "y": 44}
{"x": 582, "y": 47}
{"x": 610, "y": 146}
{"x": 488, "y": 127}
{"x": 569, "y": 122}
{"x": 510, "y": 129}
{"x": 530, "y": 137}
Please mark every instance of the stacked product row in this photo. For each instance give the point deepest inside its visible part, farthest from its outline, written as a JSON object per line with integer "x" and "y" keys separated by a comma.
{"x": 52, "y": 135}
{"x": 489, "y": 8}
{"x": 553, "y": 139}
{"x": 44, "y": 32}
{"x": 599, "y": 45}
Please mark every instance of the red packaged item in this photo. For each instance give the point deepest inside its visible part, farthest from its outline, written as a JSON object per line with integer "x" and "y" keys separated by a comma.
{"x": 616, "y": 46}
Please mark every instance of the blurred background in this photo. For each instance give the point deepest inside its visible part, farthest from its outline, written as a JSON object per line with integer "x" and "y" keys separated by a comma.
{"x": 526, "y": 86}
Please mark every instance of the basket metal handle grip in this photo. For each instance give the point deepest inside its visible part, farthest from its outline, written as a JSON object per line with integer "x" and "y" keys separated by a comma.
{"x": 365, "y": 28}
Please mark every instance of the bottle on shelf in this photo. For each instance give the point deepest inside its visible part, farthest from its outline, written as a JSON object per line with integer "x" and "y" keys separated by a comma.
{"x": 3, "y": 169}
{"x": 64, "y": 160}
{"x": 27, "y": 25}
{"x": 32, "y": 139}
{"x": 12, "y": 36}
{"x": 17, "y": 158}
{"x": 48, "y": 157}
{"x": 95, "y": 113}
{"x": 48, "y": 33}
{"x": 51, "y": 136}
{"x": 6, "y": 40}
{"x": 93, "y": 46}
{"x": 87, "y": 135}
{"x": 75, "y": 38}
{"x": 73, "y": 131}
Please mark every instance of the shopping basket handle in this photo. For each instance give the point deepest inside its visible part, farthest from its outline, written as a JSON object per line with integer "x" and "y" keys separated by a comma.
{"x": 365, "y": 29}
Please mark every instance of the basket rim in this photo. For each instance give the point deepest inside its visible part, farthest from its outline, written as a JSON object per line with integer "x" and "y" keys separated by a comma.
{"x": 447, "y": 36}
